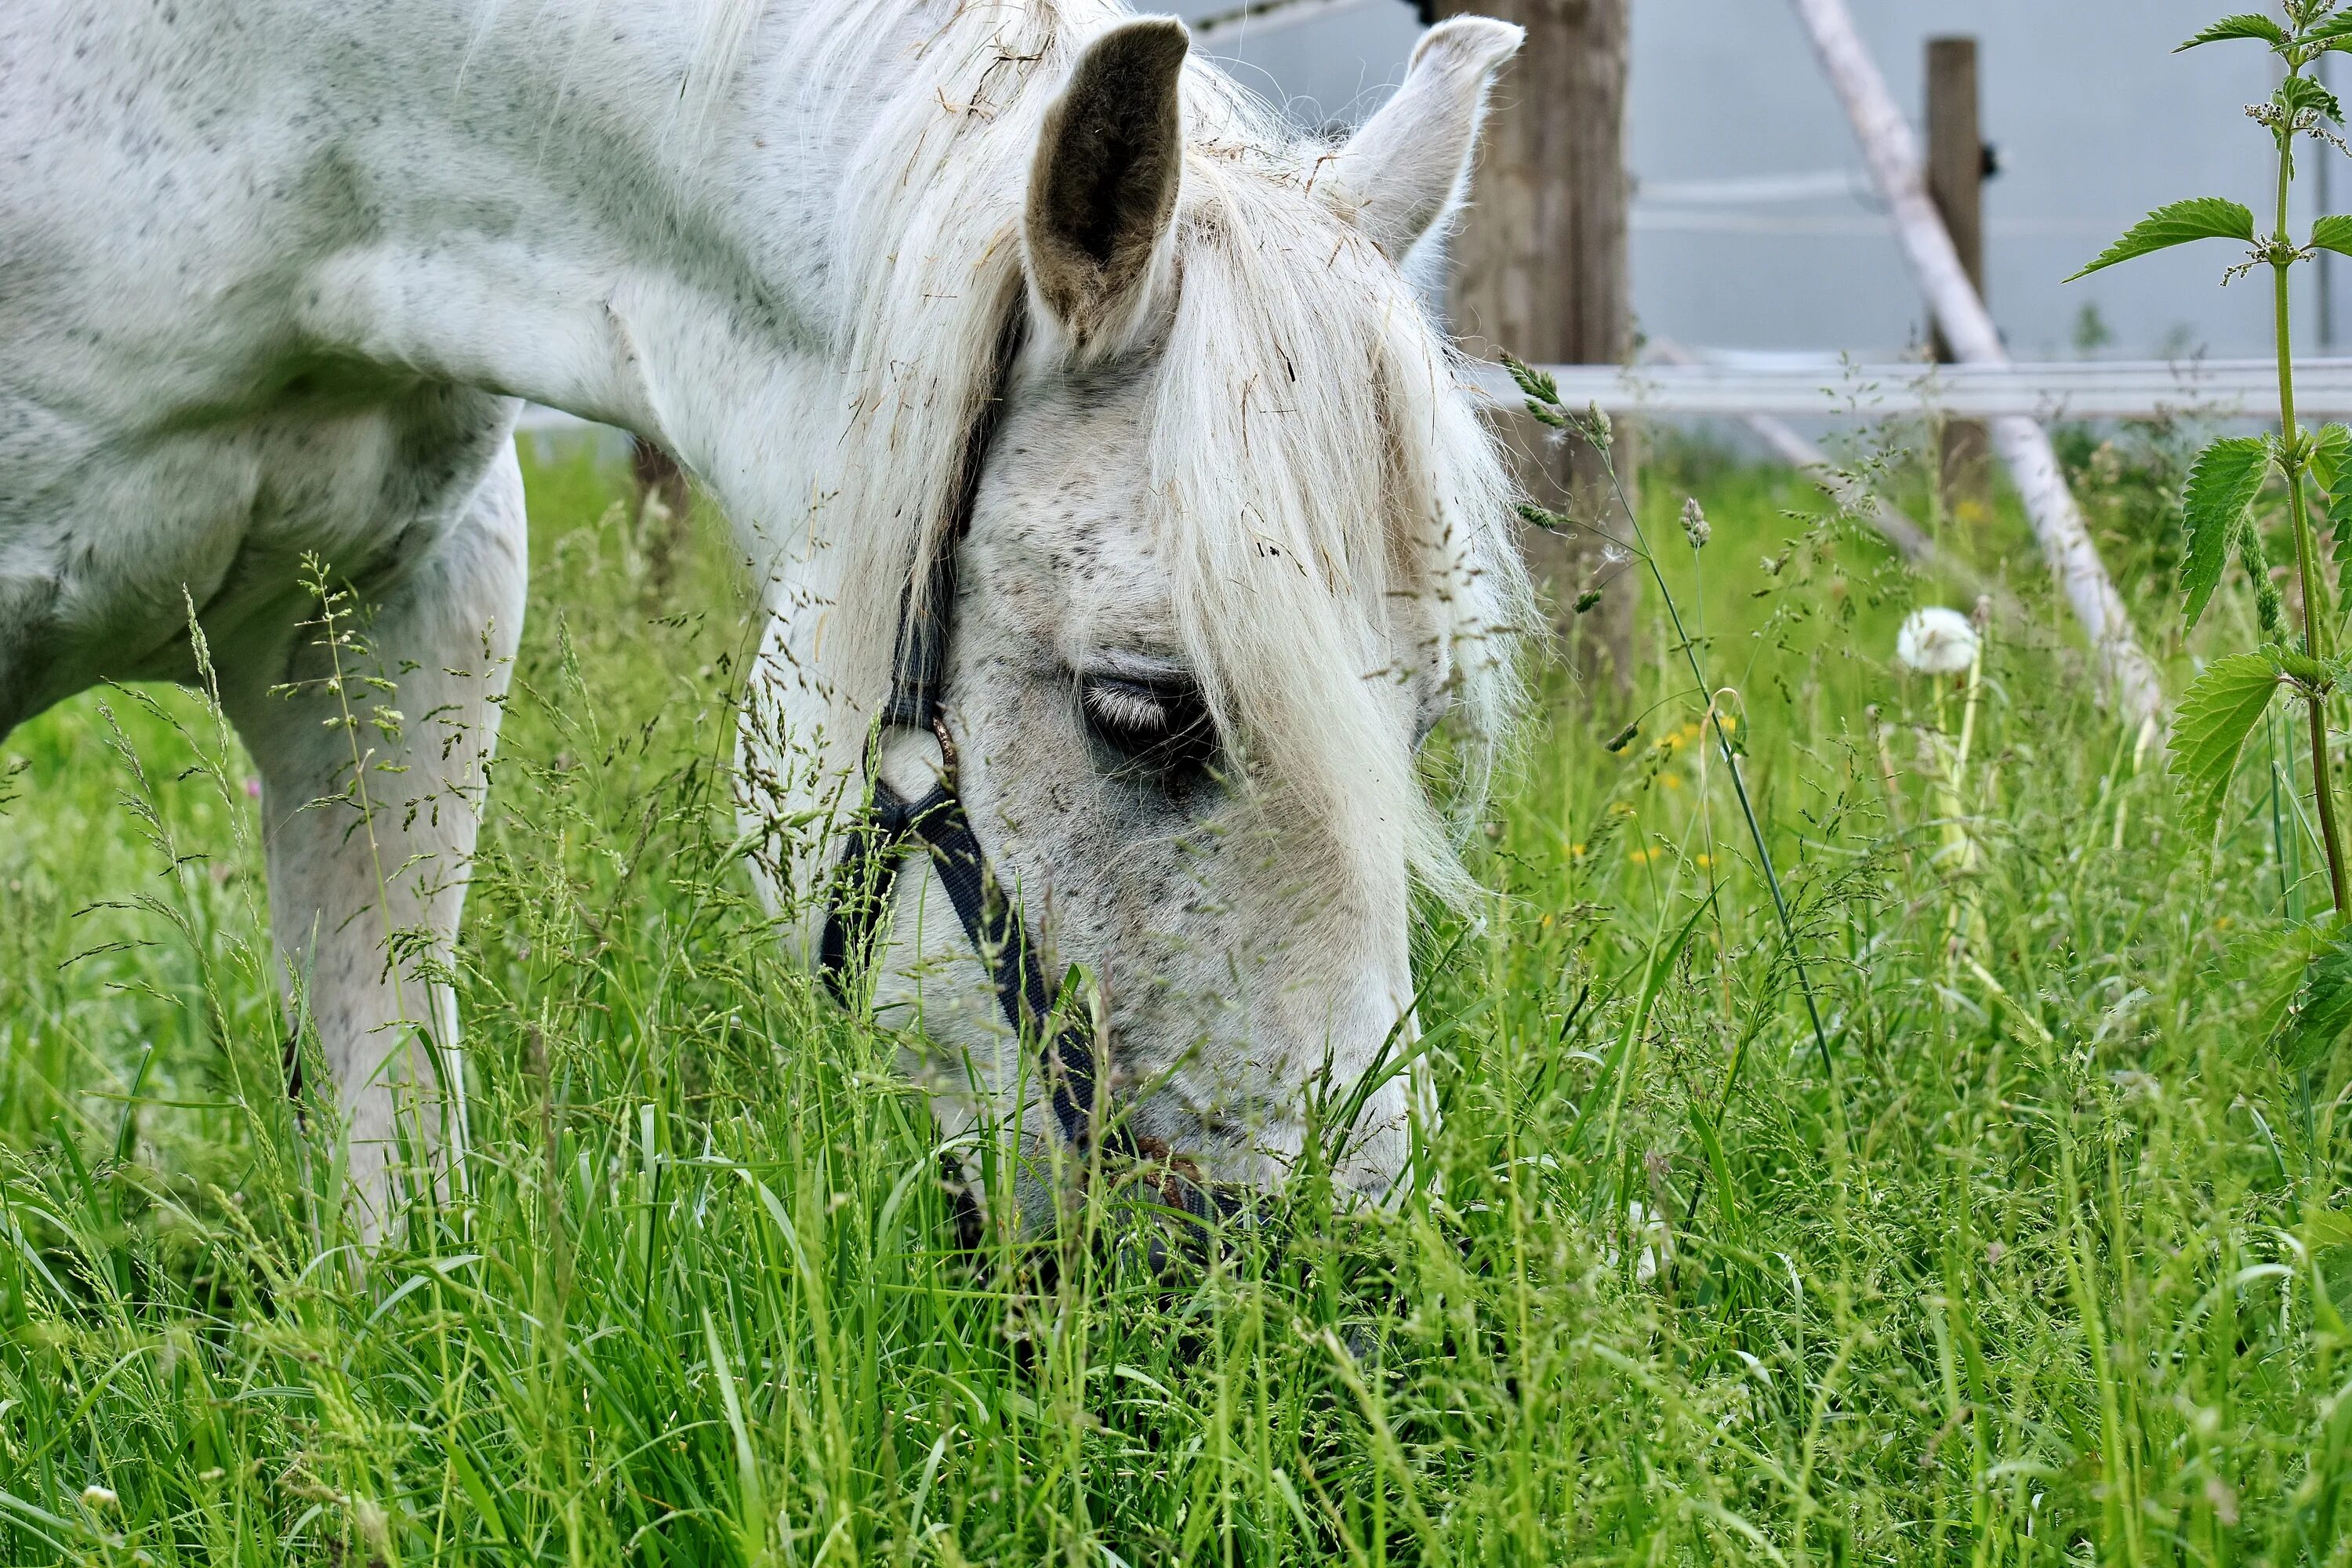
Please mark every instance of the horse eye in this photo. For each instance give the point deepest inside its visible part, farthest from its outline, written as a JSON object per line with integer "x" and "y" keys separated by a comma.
{"x": 1161, "y": 727}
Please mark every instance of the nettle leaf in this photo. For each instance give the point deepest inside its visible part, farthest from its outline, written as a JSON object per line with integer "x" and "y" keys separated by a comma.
{"x": 2330, "y": 445}
{"x": 2216, "y": 713}
{"x": 2222, "y": 486}
{"x": 2339, "y": 517}
{"x": 2301, "y": 668}
{"x": 2323, "y": 1002}
{"x": 2297, "y": 93}
{"x": 2336, "y": 33}
{"x": 2199, "y": 217}
{"x": 2332, "y": 234}
{"x": 2244, "y": 25}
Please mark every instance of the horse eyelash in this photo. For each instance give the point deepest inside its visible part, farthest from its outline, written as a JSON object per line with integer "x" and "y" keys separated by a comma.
{"x": 1130, "y": 709}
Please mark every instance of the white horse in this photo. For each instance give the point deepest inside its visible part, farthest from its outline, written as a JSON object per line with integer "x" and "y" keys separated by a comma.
{"x": 1009, "y": 286}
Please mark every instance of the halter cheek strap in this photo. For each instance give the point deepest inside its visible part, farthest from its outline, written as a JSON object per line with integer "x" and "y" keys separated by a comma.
{"x": 859, "y": 894}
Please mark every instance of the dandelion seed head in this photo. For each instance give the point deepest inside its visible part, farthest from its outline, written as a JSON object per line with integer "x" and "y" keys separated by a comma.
{"x": 1936, "y": 641}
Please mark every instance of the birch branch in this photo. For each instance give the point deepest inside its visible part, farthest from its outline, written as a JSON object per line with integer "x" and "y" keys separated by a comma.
{"x": 1892, "y": 154}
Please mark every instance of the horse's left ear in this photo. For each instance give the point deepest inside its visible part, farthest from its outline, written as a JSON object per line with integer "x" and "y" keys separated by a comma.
{"x": 1404, "y": 169}
{"x": 1103, "y": 188}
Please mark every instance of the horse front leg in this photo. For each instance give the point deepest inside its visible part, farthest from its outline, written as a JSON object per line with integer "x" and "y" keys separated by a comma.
{"x": 372, "y": 735}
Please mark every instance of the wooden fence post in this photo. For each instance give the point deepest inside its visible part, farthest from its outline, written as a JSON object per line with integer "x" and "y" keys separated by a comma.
{"x": 1540, "y": 269}
{"x": 1956, "y": 172}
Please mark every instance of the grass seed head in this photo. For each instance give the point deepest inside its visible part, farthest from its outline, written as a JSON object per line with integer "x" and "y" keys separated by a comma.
{"x": 1694, "y": 526}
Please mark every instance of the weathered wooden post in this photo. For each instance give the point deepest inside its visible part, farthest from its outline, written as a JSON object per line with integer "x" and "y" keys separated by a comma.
{"x": 1956, "y": 174}
{"x": 1540, "y": 269}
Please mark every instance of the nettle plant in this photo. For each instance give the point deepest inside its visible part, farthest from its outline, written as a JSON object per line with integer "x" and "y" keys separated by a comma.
{"x": 2231, "y": 490}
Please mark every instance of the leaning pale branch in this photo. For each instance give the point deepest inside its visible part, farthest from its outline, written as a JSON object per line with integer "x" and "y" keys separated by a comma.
{"x": 2024, "y": 447}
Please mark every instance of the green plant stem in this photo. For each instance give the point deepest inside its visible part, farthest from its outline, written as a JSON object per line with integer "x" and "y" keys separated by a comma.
{"x": 2329, "y": 836}
{"x": 1739, "y": 783}
{"x": 2278, "y": 822}
{"x": 2314, "y": 637}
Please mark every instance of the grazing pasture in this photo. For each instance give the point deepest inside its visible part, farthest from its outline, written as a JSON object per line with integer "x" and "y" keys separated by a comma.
{"x": 2040, "y": 1262}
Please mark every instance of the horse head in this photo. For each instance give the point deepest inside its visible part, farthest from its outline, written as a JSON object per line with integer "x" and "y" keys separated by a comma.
{"x": 1227, "y": 545}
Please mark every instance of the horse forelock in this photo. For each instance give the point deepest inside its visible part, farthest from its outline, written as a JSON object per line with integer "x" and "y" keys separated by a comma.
{"x": 1314, "y": 463}
{"x": 1327, "y": 502}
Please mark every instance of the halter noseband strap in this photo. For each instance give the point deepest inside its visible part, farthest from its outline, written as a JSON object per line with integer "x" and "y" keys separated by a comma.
{"x": 860, "y": 895}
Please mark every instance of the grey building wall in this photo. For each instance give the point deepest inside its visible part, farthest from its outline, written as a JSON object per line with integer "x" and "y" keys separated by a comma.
{"x": 1752, "y": 225}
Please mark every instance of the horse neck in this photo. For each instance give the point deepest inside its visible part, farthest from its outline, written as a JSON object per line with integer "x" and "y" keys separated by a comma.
{"x": 564, "y": 214}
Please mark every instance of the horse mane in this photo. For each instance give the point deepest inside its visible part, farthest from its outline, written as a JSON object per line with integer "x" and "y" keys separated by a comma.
{"x": 1315, "y": 459}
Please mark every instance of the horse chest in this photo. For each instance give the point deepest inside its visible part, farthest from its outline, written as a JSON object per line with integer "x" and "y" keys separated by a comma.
{"x": 99, "y": 567}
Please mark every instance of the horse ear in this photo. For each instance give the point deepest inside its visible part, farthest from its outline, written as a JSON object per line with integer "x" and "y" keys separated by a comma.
{"x": 1404, "y": 168}
{"x": 1103, "y": 187}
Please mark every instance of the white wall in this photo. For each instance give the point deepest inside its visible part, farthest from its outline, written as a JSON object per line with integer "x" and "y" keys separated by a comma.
{"x": 2094, "y": 118}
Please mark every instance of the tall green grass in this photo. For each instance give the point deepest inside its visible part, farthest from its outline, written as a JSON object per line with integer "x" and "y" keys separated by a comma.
{"x": 2046, "y": 1271}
